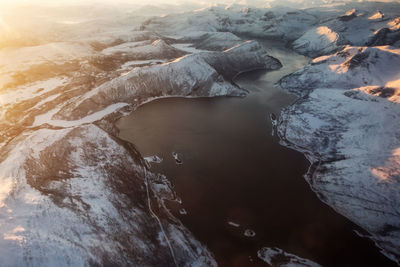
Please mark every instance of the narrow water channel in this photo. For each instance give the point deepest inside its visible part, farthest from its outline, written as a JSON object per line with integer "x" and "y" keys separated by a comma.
{"x": 234, "y": 170}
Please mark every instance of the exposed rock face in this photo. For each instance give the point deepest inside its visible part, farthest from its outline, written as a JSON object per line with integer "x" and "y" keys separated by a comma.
{"x": 278, "y": 257}
{"x": 78, "y": 196}
{"x": 351, "y": 135}
{"x": 384, "y": 36}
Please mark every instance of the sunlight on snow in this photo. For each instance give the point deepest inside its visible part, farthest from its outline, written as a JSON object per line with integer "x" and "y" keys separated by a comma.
{"x": 377, "y": 15}
{"x": 13, "y": 235}
{"x": 6, "y": 185}
{"x": 328, "y": 33}
{"x": 395, "y": 24}
{"x": 391, "y": 170}
{"x": 4, "y": 28}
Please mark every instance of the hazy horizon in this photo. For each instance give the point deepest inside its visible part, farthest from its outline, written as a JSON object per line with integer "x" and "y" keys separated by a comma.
{"x": 181, "y": 2}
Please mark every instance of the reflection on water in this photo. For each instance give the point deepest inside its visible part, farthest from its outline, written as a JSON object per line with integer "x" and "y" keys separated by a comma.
{"x": 236, "y": 177}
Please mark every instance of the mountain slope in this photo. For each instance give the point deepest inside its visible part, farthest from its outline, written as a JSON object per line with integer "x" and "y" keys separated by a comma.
{"x": 351, "y": 135}
{"x": 78, "y": 196}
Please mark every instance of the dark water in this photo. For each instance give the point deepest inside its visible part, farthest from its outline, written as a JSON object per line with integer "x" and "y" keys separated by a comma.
{"x": 234, "y": 170}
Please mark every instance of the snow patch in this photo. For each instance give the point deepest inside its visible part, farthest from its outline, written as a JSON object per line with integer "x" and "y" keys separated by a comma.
{"x": 278, "y": 257}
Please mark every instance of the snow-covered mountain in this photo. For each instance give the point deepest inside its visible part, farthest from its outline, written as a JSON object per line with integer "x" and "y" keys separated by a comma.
{"x": 75, "y": 194}
{"x": 353, "y": 67}
{"x": 199, "y": 74}
{"x": 319, "y": 29}
{"x": 72, "y": 192}
{"x": 347, "y": 122}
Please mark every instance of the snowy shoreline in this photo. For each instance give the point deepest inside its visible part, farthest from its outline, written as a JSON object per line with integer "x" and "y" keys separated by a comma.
{"x": 350, "y": 134}
{"x": 75, "y": 155}
{"x": 62, "y": 96}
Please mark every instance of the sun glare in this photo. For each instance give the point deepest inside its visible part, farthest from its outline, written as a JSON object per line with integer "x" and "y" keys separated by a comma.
{"x": 4, "y": 28}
